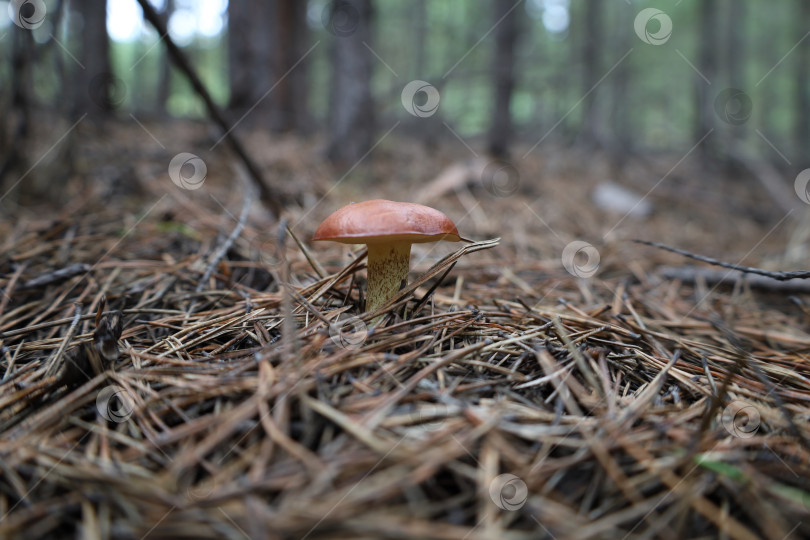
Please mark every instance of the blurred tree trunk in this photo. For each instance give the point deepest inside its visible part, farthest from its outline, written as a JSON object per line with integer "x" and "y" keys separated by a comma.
{"x": 802, "y": 127}
{"x": 351, "y": 125}
{"x": 164, "y": 89}
{"x": 591, "y": 73}
{"x": 57, "y": 19}
{"x": 735, "y": 66}
{"x": 95, "y": 84}
{"x": 251, "y": 33}
{"x": 707, "y": 65}
{"x": 291, "y": 71}
{"x": 19, "y": 118}
{"x": 568, "y": 81}
{"x": 420, "y": 43}
{"x": 503, "y": 76}
{"x": 621, "y": 113}
{"x": 735, "y": 51}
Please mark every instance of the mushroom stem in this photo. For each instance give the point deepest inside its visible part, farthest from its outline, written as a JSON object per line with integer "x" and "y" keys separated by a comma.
{"x": 387, "y": 271}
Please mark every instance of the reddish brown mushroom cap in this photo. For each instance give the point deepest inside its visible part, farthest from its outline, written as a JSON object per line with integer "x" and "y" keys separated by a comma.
{"x": 381, "y": 221}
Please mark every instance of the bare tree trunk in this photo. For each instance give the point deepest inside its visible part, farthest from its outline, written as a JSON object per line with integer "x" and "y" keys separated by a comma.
{"x": 621, "y": 115}
{"x": 351, "y": 124}
{"x": 591, "y": 72}
{"x": 707, "y": 65}
{"x": 291, "y": 71}
{"x": 164, "y": 90}
{"x": 802, "y": 127}
{"x": 58, "y": 17}
{"x": 503, "y": 75}
{"x": 735, "y": 65}
{"x": 20, "y": 114}
{"x": 96, "y": 87}
{"x": 252, "y": 30}
{"x": 420, "y": 42}
{"x": 735, "y": 41}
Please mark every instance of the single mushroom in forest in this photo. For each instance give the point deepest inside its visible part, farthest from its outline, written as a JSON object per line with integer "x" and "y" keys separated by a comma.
{"x": 388, "y": 229}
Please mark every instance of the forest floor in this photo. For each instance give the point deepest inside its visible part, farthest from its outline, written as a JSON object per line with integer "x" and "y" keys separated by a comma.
{"x": 250, "y": 397}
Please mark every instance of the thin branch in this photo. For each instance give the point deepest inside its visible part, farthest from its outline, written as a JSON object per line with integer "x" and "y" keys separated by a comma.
{"x": 781, "y": 276}
{"x": 268, "y": 195}
{"x": 226, "y": 245}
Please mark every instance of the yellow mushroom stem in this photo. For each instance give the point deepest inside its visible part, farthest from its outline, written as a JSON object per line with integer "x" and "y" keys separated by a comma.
{"x": 387, "y": 271}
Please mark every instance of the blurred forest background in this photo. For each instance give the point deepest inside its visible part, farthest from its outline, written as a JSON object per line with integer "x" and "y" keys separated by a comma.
{"x": 591, "y": 72}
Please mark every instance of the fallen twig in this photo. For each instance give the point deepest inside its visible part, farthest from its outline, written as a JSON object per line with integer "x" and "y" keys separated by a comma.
{"x": 781, "y": 276}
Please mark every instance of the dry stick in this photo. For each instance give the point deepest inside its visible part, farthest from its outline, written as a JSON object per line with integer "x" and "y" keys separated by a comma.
{"x": 56, "y": 275}
{"x": 432, "y": 289}
{"x": 10, "y": 287}
{"x": 309, "y": 307}
{"x": 268, "y": 195}
{"x": 693, "y": 274}
{"x": 50, "y": 369}
{"x": 226, "y": 245}
{"x": 781, "y": 276}
{"x": 289, "y": 339}
{"x": 313, "y": 262}
{"x": 584, "y": 368}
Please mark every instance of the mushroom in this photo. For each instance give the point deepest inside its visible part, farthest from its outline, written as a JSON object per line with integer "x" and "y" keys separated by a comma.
{"x": 388, "y": 228}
